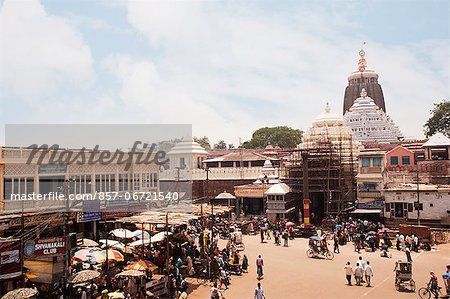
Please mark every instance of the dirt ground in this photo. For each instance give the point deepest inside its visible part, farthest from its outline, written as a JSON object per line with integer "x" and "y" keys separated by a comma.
{"x": 289, "y": 273}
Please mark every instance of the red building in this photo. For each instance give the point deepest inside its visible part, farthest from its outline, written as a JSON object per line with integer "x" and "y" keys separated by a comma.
{"x": 399, "y": 156}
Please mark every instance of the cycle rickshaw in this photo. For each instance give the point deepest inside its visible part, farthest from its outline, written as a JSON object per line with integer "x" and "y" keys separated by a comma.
{"x": 403, "y": 277}
{"x": 319, "y": 246}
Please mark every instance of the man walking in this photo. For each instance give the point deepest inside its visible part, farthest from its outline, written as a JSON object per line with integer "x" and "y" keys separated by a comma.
{"x": 348, "y": 273}
{"x": 259, "y": 292}
{"x": 369, "y": 273}
{"x": 358, "y": 274}
{"x": 259, "y": 266}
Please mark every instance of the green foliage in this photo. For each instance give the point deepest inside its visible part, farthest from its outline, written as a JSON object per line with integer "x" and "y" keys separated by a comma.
{"x": 203, "y": 141}
{"x": 166, "y": 145}
{"x": 283, "y": 136}
{"x": 439, "y": 120}
{"x": 220, "y": 145}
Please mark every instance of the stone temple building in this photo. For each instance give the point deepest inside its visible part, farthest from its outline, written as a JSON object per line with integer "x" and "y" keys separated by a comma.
{"x": 363, "y": 78}
{"x": 323, "y": 167}
{"x": 370, "y": 123}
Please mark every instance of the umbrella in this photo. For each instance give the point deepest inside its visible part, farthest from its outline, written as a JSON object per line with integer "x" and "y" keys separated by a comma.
{"x": 20, "y": 293}
{"x": 160, "y": 236}
{"x": 110, "y": 242}
{"x": 138, "y": 234}
{"x": 290, "y": 223}
{"x": 113, "y": 255}
{"x": 85, "y": 275}
{"x": 133, "y": 273}
{"x": 88, "y": 243}
{"x": 31, "y": 276}
{"x": 122, "y": 233}
{"x": 140, "y": 242}
{"x": 93, "y": 256}
{"x": 115, "y": 295}
{"x": 141, "y": 265}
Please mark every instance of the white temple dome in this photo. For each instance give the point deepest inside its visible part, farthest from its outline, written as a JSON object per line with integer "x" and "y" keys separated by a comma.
{"x": 327, "y": 118}
{"x": 328, "y": 127}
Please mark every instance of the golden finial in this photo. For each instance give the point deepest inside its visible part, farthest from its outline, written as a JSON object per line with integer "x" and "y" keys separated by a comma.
{"x": 362, "y": 60}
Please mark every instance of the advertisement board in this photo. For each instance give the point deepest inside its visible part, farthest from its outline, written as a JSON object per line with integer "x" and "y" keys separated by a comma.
{"x": 47, "y": 247}
{"x": 10, "y": 264}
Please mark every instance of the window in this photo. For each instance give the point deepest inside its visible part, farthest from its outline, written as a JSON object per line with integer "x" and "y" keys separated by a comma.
{"x": 406, "y": 160}
{"x": 376, "y": 162}
{"x": 149, "y": 180}
{"x": 420, "y": 206}
{"x": 182, "y": 163}
{"x": 365, "y": 162}
{"x": 18, "y": 186}
{"x": 123, "y": 182}
{"x": 410, "y": 207}
{"x": 431, "y": 205}
{"x": 394, "y": 160}
{"x": 136, "y": 182}
{"x": 105, "y": 182}
{"x": 387, "y": 207}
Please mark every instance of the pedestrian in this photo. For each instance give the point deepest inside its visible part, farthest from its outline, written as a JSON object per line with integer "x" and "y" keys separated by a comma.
{"x": 259, "y": 292}
{"x": 286, "y": 238}
{"x": 259, "y": 266}
{"x": 369, "y": 273}
{"x": 358, "y": 274}
{"x": 336, "y": 244}
{"x": 408, "y": 255}
{"x": 261, "y": 233}
{"x": 348, "y": 273}
{"x": 244, "y": 264}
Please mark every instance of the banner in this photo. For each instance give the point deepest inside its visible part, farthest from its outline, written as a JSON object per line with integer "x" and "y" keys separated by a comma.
{"x": 47, "y": 247}
{"x": 88, "y": 216}
{"x": 10, "y": 264}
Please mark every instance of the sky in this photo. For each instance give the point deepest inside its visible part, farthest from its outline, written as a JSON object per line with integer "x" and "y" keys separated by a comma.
{"x": 226, "y": 67}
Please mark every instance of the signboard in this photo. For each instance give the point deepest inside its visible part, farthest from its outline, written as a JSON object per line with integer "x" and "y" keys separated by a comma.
{"x": 47, "y": 247}
{"x": 54, "y": 218}
{"x": 44, "y": 169}
{"x": 88, "y": 216}
{"x": 10, "y": 264}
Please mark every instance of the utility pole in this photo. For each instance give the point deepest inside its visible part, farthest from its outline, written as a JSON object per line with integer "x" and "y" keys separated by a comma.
{"x": 418, "y": 196}
{"x": 167, "y": 243}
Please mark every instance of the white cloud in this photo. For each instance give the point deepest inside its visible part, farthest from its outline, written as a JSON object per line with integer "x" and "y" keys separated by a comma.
{"x": 40, "y": 52}
{"x": 252, "y": 68}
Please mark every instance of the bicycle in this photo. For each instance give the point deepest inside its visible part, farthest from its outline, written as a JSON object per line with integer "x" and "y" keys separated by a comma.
{"x": 426, "y": 293}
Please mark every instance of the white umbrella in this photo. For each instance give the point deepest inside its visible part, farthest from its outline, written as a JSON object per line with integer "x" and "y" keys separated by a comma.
{"x": 122, "y": 233}
{"x": 140, "y": 242}
{"x": 88, "y": 243}
{"x": 110, "y": 242}
{"x": 160, "y": 236}
{"x": 138, "y": 233}
{"x": 91, "y": 256}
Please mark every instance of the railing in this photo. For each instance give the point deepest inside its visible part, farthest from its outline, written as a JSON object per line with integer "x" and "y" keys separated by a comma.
{"x": 246, "y": 173}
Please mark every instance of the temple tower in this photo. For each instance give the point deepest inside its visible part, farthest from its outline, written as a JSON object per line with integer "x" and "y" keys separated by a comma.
{"x": 363, "y": 78}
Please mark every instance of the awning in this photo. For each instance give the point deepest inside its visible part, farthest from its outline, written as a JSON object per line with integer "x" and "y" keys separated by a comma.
{"x": 283, "y": 211}
{"x": 366, "y": 211}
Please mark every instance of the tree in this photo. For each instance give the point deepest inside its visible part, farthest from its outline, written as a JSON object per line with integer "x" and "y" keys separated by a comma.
{"x": 231, "y": 145}
{"x": 166, "y": 145}
{"x": 220, "y": 145}
{"x": 283, "y": 136}
{"x": 203, "y": 141}
{"x": 439, "y": 120}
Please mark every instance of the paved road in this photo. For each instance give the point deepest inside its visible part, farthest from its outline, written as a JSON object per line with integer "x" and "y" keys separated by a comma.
{"x": 288, "y": 273}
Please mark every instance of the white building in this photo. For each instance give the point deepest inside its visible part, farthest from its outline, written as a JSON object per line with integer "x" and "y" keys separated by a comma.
{"x": 434, "y": 204}
{"x": 369, "y": 122}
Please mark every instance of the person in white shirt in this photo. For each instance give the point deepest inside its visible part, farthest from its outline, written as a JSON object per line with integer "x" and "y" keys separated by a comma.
{"x": 368, "y": 272}
{"x": 259, "y": 292}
